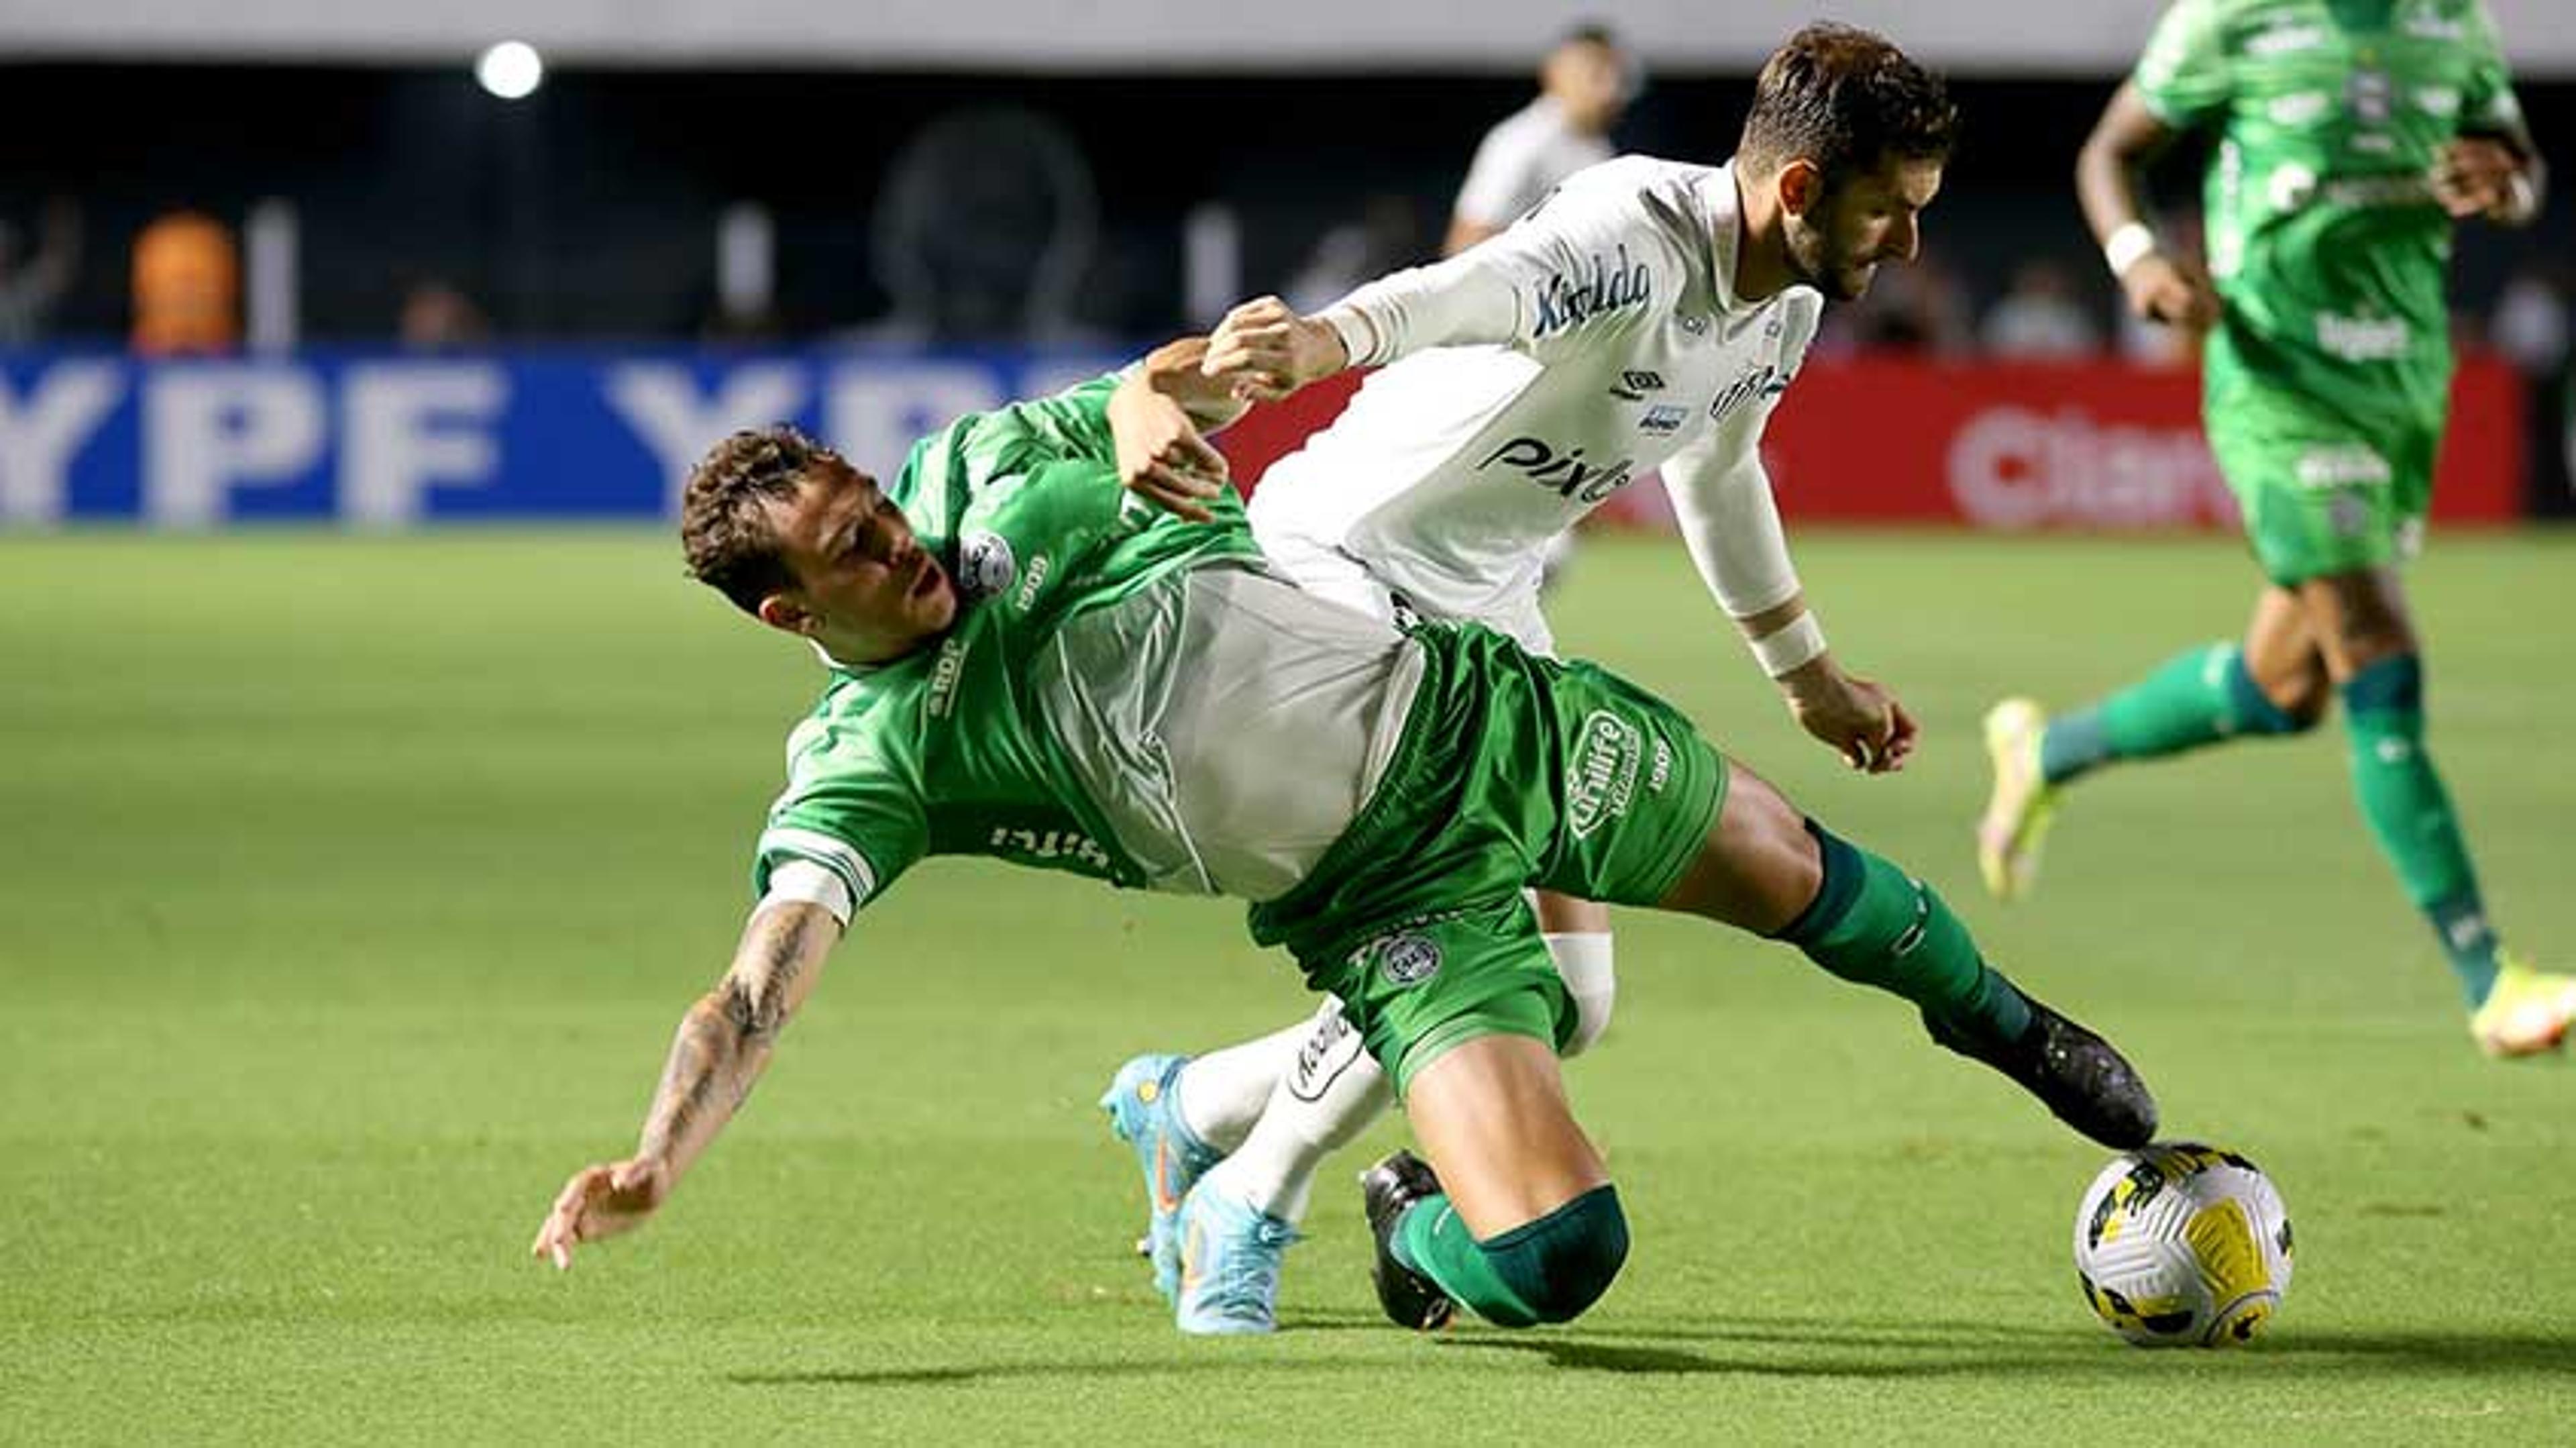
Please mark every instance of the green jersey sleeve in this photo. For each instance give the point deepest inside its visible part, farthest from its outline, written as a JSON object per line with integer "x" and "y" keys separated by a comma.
{"x": 2488, "y": 105}
{"x": 1073, "y": 423}
{"x": 853, "y": 804}
{"x": 983, "y": 455}
{"x": 2184, "y": 73}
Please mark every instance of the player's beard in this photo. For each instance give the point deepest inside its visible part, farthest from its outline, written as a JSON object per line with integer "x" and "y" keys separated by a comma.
{"x": 1818, "y": 258}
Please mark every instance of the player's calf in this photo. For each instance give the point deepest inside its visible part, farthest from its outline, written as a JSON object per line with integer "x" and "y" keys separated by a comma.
{"x": 1547, "y": 1270}
{"x": 1873, "y": 924}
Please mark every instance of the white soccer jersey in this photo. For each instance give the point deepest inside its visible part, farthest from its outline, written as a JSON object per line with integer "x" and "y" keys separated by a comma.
{"x": 1531, "y": 377}
{"x": 1525, "y": 153}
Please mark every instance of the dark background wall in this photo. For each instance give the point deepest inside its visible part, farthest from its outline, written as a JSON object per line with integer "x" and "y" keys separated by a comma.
{"x": 587, "y": 212}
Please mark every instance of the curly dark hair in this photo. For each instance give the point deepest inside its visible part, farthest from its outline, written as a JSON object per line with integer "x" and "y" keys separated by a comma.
{"x": 1846, "y": 100}
{"x": 724, "y": 513}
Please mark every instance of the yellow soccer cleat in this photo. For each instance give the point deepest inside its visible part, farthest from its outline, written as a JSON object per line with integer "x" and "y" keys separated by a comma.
{"x": 2526, "y": 1013}
{"x": 2018, "y": 811}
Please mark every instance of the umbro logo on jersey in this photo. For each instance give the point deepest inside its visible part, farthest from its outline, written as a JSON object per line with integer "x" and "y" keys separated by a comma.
{"x": 1633, "y": 386}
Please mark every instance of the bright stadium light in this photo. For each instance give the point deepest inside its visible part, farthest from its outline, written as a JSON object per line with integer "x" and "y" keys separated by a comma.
{"x": 511, "y": 70}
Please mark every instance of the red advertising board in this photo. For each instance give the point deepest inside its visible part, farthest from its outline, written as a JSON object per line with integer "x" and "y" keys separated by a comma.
{"x": 2097, "y": 446}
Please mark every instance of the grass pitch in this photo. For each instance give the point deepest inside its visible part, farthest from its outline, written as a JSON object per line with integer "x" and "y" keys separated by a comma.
{"x": 350, "y": 890}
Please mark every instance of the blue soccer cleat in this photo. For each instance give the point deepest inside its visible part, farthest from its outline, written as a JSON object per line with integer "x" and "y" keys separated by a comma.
{"x": 1140, "y": 1106}
{"x": 1230, "y": 1253}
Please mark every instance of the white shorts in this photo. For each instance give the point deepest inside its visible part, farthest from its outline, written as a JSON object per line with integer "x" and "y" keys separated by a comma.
{"x": 1331, "y": 574}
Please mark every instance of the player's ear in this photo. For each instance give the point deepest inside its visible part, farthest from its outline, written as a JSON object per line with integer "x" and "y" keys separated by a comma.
{"x": 786, "y": 615}
{"x": 1799, "y": 185}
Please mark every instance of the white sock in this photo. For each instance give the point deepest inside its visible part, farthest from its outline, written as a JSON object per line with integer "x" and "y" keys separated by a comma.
{"x": 1585, "y": 961}
{"x": 1329, "y": 1096}
{"x": 1222, "y": 1093}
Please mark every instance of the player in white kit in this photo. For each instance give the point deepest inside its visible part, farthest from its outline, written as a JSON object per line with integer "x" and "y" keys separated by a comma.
{"x": 1645, "y": 317}
{"x": 1584, "y": 84}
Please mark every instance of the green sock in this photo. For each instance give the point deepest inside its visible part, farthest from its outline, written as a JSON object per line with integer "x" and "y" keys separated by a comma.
{"x": 2197, "y": 697}
{"x": 1872, "y": 924}
{"x": 2402, "y": 797}
{"x": 1432, "y": 1240}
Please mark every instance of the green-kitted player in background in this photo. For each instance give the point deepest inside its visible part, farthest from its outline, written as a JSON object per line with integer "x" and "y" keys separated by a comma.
{"x": 2352, "y": 135}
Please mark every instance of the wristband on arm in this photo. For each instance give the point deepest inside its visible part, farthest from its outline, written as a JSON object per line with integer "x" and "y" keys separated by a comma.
{"x": 2128, "y": 244}
{"x": 1790, "y": 647}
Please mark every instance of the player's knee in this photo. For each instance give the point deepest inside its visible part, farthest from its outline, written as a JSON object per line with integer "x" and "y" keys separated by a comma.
{"x": 1560, "y": 1264}
{"x": 2292, "y": 708}
{"x": 1585, "y": 960}
{"x": 2387, "y": 696}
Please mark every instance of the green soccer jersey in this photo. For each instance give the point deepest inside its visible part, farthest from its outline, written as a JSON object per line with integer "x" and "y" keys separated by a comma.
{"x": 2324, "y": 236}
{"x": 943, "y": 752}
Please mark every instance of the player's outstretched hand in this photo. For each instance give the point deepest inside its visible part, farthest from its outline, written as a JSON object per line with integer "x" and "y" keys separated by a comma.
{"x": 1162, "y": 456}
{"x": 1863, "y": 722}
{"x": 2474, "y": 177}
{"x": 2161, "y": 289}
{"x": 601, "y": 1201}
{"x": 1266, "y": 351}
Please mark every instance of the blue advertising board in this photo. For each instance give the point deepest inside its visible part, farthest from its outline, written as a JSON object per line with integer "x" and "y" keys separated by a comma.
{"x": 388, "y": 440}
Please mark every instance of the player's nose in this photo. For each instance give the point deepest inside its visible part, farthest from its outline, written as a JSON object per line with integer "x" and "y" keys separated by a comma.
{"x": 1905, "y": 239}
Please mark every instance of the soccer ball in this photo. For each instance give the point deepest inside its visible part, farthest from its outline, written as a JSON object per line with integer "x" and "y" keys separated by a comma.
{"x": 2180, "y": 1244}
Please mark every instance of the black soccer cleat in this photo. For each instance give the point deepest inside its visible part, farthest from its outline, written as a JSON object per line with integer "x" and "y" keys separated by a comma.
{"x": 2081, "y": 1078}
{"x": 1386, "y": 1189}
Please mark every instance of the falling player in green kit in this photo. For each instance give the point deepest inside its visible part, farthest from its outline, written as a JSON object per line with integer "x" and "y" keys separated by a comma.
{"x": 2352, "y": 135}
{"x": 1028, "y": 662}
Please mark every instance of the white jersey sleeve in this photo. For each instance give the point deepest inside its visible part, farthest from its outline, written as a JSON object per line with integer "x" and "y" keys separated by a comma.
{"x": 1609, "y": 239}
{"x": 1722, "y": 501}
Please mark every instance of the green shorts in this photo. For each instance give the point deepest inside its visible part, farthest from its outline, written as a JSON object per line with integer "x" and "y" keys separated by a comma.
{"x": 2320, "y": 495}
{"x": 1512, "y": 771}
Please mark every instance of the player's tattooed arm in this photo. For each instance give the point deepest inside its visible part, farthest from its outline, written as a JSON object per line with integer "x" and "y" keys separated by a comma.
{"x": 725, "y": 1041}
{"x": 723, "y": 1045}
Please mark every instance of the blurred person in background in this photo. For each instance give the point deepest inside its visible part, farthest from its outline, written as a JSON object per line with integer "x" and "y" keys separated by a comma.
{"x": 31, "y": 285}
{"x": 1584, "y": 86}
{"x": 1377, "y": 241}
{"x": 1646, "y": 315}
{"x": 2354, "y": 137}
{"x": 984, "y": 231}
{"x": 2529, "y": 324}
{"x": 1923, "y": 311}
{"x": 187, "y": 286}
{"x": 437, "y": 316}
{"x": 2041, "y": 318}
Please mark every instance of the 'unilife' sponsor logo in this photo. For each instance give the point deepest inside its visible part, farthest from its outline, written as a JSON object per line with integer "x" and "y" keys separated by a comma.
{"x": 1602, "y": 779}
